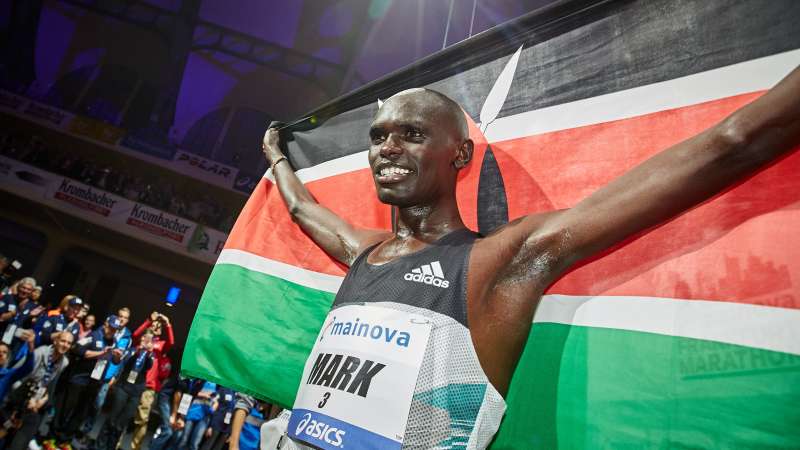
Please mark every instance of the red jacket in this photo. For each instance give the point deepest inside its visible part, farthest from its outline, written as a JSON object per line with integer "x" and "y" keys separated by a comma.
{"x": 160, "y": 370}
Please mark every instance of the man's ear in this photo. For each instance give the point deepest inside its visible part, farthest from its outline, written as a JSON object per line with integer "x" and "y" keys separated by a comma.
{"x": 464, "y": 155}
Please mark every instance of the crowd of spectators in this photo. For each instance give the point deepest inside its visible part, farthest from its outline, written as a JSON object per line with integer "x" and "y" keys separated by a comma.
{"x": 69, "y": 381}
{"x": 151, "y": 190}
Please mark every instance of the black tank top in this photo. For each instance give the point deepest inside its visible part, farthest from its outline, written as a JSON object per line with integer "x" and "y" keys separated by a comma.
{"x": 434, "y": 278}
{"x": 454, "y": 405}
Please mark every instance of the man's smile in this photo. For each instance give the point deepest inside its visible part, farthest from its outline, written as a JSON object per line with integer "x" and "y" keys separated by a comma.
{"x": 389, "y": 173}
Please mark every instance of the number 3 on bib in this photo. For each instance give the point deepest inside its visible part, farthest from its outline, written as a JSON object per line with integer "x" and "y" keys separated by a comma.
{"x": 325, "y": 398}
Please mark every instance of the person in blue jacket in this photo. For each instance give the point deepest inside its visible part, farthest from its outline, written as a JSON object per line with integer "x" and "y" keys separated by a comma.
{"x": 199, "y": 415}
{"x": 220, "y": 427}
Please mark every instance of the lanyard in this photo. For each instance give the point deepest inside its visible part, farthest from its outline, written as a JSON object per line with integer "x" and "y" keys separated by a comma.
{"x": 49, "y": 368}
{"x": 139, "y": 361}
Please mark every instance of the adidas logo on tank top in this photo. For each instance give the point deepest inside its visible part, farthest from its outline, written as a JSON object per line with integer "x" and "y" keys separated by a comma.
{"x": 431, "y": 274}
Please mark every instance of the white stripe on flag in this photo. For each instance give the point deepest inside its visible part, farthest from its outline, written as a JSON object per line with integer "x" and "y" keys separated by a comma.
{"x": 763, "y": 327}
{"x": 755, "y": 326}
{"x": 742, "y": 78}
{"x": 750, "y": 76}
{"x": 306, "y": 278}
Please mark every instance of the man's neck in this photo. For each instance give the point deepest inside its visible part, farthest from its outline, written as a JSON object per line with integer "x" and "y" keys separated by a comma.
{"x": 428, "y": 222}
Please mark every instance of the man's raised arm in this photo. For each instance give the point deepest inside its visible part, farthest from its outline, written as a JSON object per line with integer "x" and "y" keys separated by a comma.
{"x": 679, "y": 177}
{"x": 332, "y": 233}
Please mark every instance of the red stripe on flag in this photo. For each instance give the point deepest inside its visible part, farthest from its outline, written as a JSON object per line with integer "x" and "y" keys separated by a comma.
{"x": 265, "y": 228}
{"x": 714, "y": 252}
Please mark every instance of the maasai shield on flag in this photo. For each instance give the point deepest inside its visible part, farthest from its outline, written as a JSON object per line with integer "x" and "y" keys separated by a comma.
{"x": 686, "y": 336}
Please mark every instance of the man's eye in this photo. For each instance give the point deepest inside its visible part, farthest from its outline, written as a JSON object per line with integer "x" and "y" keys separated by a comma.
{"x": 414, "y": 134}
{"x": 377, "y": 139}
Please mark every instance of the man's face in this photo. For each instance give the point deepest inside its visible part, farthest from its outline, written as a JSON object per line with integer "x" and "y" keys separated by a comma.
{"x": 24, "y": 290}
{"x": 123, "y": 316}
{"x": 73, "y": 311}
{"x": 62, "y": 342}
{"x": 35, "y": 294}
{"x": 108, "y": 330}
{"x": 4, "y": 352}
{"x": 413, "y": 146}
{"x": 147, "y": 342}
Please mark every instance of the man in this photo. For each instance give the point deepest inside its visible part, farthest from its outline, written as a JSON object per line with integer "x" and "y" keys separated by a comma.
{"x": 9, "y": 304}
{"x": 127, "y": 390}
{"x": 168, "y": 433}
{"x": 419, "y": 142}
{"x": 92, "y": 355}
{"x": 66, "y": 320}
{"x": 164, "y": 340}
{"x": 219, "y": 427}
{"x": 248, "y": 417}
{"x": 122, "y": 341}
{"x": 37, "y": 389}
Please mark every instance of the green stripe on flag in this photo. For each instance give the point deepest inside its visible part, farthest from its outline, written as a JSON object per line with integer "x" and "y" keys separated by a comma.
{"x": 579, "y": 387}
{"x": 245, "y": 335}
{"x": 575, "y": 387}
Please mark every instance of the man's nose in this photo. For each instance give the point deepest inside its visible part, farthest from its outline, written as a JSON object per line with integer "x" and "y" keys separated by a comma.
{"x": 391, "y": 146}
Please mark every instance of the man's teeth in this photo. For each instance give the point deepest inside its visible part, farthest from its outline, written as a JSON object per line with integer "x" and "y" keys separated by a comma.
{"x": 394, "y": 170}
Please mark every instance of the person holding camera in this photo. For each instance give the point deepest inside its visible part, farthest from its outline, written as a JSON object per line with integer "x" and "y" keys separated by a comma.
{"x": 163, "y": 340}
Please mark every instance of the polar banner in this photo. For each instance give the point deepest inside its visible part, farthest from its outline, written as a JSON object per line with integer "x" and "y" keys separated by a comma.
{"x": 204, "y": 169}
{"x": 111, "y": 211}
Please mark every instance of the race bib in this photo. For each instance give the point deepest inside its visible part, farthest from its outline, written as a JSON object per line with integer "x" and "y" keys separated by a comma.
{"x": 99, "y": 368}
{"x": 183, "y": 406}
{"x": 359, "y": 379}
{"x": 8, "y": 336}
{"x": 132, "y": 376}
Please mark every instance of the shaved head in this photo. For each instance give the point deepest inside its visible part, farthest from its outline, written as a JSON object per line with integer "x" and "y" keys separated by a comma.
{"x": 446, "y": 108}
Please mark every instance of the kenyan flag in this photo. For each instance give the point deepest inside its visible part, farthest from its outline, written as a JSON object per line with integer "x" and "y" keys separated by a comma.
{"x": 687, "y": 336}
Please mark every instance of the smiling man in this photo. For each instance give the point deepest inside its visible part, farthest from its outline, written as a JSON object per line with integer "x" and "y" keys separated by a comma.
{"x": 466, "y": 301}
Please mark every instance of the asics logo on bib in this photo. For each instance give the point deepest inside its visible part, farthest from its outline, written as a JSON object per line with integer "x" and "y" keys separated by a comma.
{"x": 431, "y": 274}
{"x": 321, "y": 431}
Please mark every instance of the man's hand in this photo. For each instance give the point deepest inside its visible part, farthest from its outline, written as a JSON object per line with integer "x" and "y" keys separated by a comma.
{"x": 154, "y": 316}
{"x": 27, "y": 335}
{"x": 36, "y": 311}
{"x": 271, "y": 145}
{"x": 208, "y": 432}
{"x": 336, "y": 236}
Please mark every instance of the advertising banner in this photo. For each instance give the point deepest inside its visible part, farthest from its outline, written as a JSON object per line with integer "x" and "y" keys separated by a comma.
{"x": 207, "y": 242}
{"x": 12, "y": 102}
{"x": 158, "y": 223}
{"x": 66, "y": 191}
{"x": 148, "y": 148}
{"x": 20, "y": 177}
{"x": 204, "y": 169}
{"x": 246, "y": 182}
{"x": 95, "y": 129}
{"x": 46, "y": 114}
{"x": 111, "y": 211}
